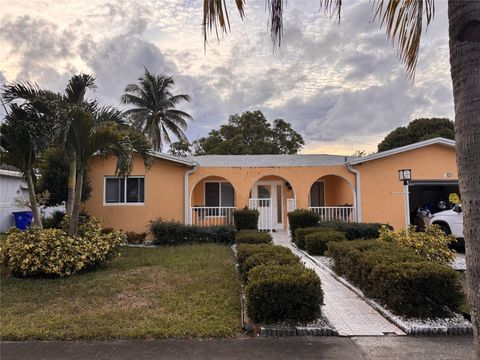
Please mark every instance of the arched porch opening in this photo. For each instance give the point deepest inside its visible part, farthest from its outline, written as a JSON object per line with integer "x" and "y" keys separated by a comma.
{"x": 212, "y": 202}
{"x": 273, "y": 196}
{"x": 333, "y": 198}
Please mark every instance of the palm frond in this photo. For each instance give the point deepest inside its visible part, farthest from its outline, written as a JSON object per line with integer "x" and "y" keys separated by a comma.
{"x": 78, "y": 86}
{"x": 215, "y": 15}
{"x": 404, "y": 22}
{"x": 21, "y": 90}
{"x": 275, "y": 20}
{"x": 331, "y": 8}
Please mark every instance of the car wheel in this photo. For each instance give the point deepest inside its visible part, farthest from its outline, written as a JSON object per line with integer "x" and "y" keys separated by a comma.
{"x": 445, "y": 228}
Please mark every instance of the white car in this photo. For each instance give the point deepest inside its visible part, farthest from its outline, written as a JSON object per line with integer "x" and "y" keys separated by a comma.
{"x": 451, "y": 221}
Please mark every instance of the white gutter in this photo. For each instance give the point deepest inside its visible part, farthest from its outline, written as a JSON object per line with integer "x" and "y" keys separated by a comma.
{"x": 358, "y": 195}
{"x": 185, "y": 195}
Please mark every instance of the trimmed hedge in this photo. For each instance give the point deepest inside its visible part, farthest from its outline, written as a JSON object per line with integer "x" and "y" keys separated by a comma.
{"x": 399, "y": 278}
{"x": 246, "y": 219}
{"x": 174, "y": 233}
{"x": 267, "y": 258}
{"x": 278, "y": 287}
{"x": 278, "y": 293}
{"x": 300, "y": 233}
{"x": 135, "y": 238}
{"x": 253, "y": 237}
{"x": 244, "y": 251}
{"x": 301, "y": 219}
{"x": 355, "y": 231}
{"x": 316, "y": 243}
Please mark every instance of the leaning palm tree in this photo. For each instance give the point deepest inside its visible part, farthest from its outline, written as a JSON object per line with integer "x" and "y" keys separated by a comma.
{"x": 404, "y": 21}
{"x": 26, "y": 132}
{"x": 154, "y": 113}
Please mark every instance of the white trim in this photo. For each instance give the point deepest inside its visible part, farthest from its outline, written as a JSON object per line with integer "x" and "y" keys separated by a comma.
{"x": 124, "y": 203}
{"x": 186, "y": 195}
{"x": 401, "y": 149}
{"x": 11, "y": 173}
{"x": 357, "y": 193}
{"x": 406, "y": 196}
{"x": 173, "y": 158}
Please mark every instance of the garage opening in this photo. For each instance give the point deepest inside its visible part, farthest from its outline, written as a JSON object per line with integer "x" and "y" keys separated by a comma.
{"x": 434, "y": 195}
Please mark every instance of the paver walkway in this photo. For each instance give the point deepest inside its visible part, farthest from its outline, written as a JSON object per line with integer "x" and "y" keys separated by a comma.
{"x": 349, "y": 313}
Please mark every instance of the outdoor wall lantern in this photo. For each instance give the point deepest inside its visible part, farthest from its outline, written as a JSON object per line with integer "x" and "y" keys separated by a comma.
{"x": 405, "y": 175}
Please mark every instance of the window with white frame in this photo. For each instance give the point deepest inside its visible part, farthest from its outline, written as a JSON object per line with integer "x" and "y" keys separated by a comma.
{"x": 125, "y": 190}
{"x": 219, "y": 194}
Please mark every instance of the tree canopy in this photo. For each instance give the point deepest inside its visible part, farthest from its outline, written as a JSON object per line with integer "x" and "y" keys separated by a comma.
{"x": 418, "y": 130}
{"x": 250, "y": 133}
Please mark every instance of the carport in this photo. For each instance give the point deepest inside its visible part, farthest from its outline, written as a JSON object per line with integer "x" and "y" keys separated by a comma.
{"x": 432, "y": 194}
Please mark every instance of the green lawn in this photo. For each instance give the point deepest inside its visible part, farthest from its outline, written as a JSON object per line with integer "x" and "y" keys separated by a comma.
{"x": 184, "y": 291}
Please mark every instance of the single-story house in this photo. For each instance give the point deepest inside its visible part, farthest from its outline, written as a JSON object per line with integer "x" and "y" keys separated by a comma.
{"x": 204, "y": 190}
{"x": 12, "y": 185}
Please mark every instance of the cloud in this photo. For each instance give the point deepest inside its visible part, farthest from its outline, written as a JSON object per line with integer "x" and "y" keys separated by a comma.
{"x": 336, "y": 83}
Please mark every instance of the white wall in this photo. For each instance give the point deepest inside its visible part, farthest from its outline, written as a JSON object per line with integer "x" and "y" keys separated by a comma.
{"x": 10, "y": 187}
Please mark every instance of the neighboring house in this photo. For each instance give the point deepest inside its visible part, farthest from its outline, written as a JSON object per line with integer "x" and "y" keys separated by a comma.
{"x": 204, "y": 190}
{"x": 11, "y": 185}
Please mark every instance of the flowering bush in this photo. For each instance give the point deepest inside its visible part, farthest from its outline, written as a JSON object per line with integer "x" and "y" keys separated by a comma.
{"x": 431, "y": 244}
{"x": 51, "y": 252}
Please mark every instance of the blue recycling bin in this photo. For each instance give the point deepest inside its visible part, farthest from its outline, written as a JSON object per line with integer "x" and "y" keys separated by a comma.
{"x": 23, "y": 219}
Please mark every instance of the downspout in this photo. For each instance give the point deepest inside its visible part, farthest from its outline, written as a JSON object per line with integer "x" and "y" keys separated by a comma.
{"x": 185, "y": 195}
{"x": 358, "y": 195}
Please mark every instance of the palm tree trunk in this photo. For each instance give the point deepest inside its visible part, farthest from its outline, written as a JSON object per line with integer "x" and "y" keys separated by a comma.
{"x": 72, "y": 172}
{"x": 73, "y": 223}
{"x": 37, "y": 220}
{"x": 464, "y": 33}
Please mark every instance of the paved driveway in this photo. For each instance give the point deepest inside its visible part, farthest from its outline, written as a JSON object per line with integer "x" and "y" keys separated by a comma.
{"x": 325, "y": 348}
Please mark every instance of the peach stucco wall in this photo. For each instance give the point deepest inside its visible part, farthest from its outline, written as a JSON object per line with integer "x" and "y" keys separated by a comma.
{"x": 243, "y": 179}
{"x": 381, "y": 200}
{"x": 163, "y": 194}
{"x": 381, "y": 189}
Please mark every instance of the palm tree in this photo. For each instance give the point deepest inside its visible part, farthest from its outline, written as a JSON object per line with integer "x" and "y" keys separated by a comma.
{"x": 101, "y": 130}
{"x": 404, "y": 20}
{"x": 154, "y": 113}
{"x": 26, "y": 132}
{"x": 74, "y": 97}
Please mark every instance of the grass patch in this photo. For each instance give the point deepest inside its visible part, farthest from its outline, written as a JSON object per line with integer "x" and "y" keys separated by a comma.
{"x": 185, "y": 291}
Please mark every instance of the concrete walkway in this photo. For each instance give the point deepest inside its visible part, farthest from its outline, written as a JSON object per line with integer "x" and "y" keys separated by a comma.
{"x": 350, "y": 314}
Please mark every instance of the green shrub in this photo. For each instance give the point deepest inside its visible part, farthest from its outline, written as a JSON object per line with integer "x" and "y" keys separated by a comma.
{"x": 54, "y": 221}
{"x": 300, "y": 234}
{"x": 135, "y": 238}
{"x": 283, "y": 293}
{"x": 355, "y": 231}
{"x": 403, "y": 280}
{"x": 244, "y": 251}
{"x": 432, "y": 243}
{"x": 51, "y": 252}
{"x": 253, "y": 237}
{"x": 301, "y": 219}
{"x": 267, "y": 258}
{"x": 246, "y": 219}
{"x": 316, "y": 243}
{"x": 175, "y": 233}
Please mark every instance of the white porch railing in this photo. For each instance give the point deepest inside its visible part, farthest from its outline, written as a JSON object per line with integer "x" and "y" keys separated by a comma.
{"x": 335, "y": 213}
{"x": 265, "y": 209}
{"x": 211, "y": 215}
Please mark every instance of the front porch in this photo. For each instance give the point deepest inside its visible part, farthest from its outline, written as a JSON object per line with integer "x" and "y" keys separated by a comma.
{"x": 213, "y": 200}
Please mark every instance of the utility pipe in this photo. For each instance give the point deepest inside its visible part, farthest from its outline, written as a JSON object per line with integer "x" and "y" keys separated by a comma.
{"x": 186, "y": 195}
{"x": 358, "y": 195}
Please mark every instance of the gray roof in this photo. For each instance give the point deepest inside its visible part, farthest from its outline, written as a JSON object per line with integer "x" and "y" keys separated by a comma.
{"x": 270, "y": 160}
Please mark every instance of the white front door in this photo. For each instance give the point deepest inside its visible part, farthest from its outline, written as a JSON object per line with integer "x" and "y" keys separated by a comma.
{"x": 268, "y": 200}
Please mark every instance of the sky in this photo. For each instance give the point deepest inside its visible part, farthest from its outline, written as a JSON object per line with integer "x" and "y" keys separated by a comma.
{"x": 341, "y": 85}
